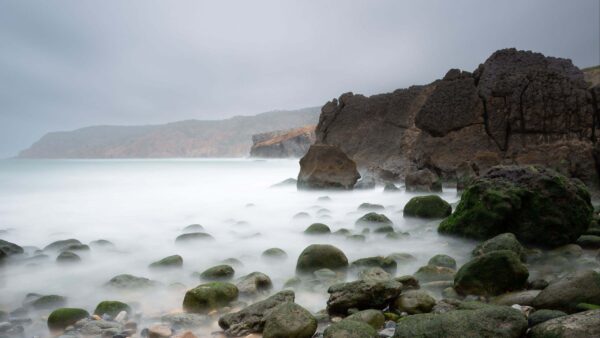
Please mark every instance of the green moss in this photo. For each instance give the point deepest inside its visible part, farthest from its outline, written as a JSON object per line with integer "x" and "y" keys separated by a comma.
{"x": 49, "y": 302}
{"x": 209, "y": 296}
{"x": 220, "y": 272}
{"x": 174, "y": 261}
{"x": 431, "y": 206}
{"x": 59, "y": 319}
{"x": 111, "y": 308}
{"x": 317, "y": 229}
{"x": 374, "y": 219}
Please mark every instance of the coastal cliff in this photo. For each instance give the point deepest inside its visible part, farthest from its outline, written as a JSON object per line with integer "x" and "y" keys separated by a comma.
{"x": 283, "y": 143}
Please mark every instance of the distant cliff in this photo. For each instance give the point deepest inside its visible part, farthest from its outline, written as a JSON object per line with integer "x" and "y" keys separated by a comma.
{"x": 193, "y": 138}
{"x": 283, "y": 143}
{"x": 518, "y": 107}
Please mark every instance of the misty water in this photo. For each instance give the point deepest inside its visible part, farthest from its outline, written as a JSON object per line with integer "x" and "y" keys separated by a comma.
{"x": 142, "y": 206}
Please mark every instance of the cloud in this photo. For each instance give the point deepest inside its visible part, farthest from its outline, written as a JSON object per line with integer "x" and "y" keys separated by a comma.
{"x": 67, "y": 64}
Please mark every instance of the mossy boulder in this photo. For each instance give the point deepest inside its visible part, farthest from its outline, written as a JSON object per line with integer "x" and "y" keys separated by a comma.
{"x": 543, "y": 315}
{"x": 59, "y": 319}
{"x": 375, "y": 318}
{"x": 362, "y": 295}
{"x": 289, "y": 320}
{"x": 193, "y": 237}
{"x": 431, "y": 206}
{"x": 127, "y": 281}
{"x": 580, "y": 325}
{"x": 589, "y": 241}
{"x": 568, "y": 292}
{"x": 222, "y": 272}
{"x": 432, "y": 273}
{"x": 486, "y": 321}
{"x": 321, "y": 256}
{"x": 254, "y": 284}
{"x": 414, "y": 302}
{"x": 174, "y": 261}
{"x": 374, "y": 219}
{"x": 60, "y": 245}
{"x": 274, "y": 254}
{"x": 505, "y": 241}
{"x": 491, "y": 274}
{"x": 536, "y": 204}
{"x": 317, "y": 229}
{"x": 386, "y": 263}
{"x": 111, "y": 308}
{"x": 9, "y": 248}
{"x": 350, "y": 329}
{"x": 443, "y": 261}
{"x": 209, "y": 296}
{"x": 370, "y": 207}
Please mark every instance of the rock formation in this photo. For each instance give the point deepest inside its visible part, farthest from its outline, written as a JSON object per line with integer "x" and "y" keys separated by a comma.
{"x": 326, "y": 167}
{"x": 283, "y": 143}
{"x": 515, "y": 108}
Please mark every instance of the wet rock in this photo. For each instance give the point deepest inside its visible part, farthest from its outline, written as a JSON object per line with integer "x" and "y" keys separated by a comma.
{"x": 543, "y": 315}
{"x": 102, "y": 243}
{"x": 374, "y": 274}
{"x": 59, "y": 319}
{"x": 431, "y": 207}
{"x": 275, "y": 254}
{"x": 321, "y": 256}
{"x": 221, "y": 272}
{"x": 579, "y": 325}
{"x": 414, "y": 302}
{"x": 567, "y": 292}
{"x": 589, "y": 241}
{"x": 350, "y": 329}
{"x": 193, "y": 237}
{"x": 48, "y": 302}
{"x": 254, "y": 284}
{"x": 326, "y": 167}
{"x": 62, "y": 244}
{"x": 193, "y": 228}
{"x": 252, "y": 318}
{"x": 289, "y": 320}
{"x": 174, "y": 261}
{"x": 301, "y": 215}
{"x": 423, "y": 180}
{"x": 374, "y": 220}
{"x": 287, "y": 182}
{"x": 491, "y": 274}
{"x": 386, "y": 263}
{"x": 95, "y": 328}
{"x": 370, "y": 207}
{"x": 159, "y": 331}
{"x": 362, "y": 295}
{"x": 111, "y": 308}
{"x": 390, "y": 187}
{"x": 517, "y": 297}
{"x": 126, "y": 281}
{"x": 185, "y": 320}
{"x": 66, "y": 257}
{"x": 367, "y": 182}
{"x": 431, "y": 273}
{"x": 317, "y": 229}
{"x": 505, "y": 241}
{"x": 497, "y": 321}
{"x": 444, "y": 261}
{"x": 536, "y": 204}
{"x": 568, "y": 251}
{"x": 538, "y": 284}
{"x": 374, "y": 318}
{"x": 9, "y": 248}
{"x": 209, "y": 296}
{"x": 402, "y": 257}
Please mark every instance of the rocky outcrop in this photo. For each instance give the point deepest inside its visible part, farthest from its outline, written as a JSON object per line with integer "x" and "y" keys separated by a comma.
{"x": 283, "y": 143}
{"x": 326, "y": 167}
{"x": 230, "y": 137}
{"x": 515, "y": 108}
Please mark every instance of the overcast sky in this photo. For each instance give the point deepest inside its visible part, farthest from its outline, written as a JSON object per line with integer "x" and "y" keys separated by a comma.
{"x": 69, "y": 64}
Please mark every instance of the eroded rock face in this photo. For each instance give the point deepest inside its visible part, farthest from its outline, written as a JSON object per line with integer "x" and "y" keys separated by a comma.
{"x": 327, "y": 167}
{"x": 284, "y": 143}
{"x": 517, "y": 107}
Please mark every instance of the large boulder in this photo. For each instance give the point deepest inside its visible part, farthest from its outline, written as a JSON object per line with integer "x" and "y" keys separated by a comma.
{"x": 491, "y": 274}
{"x": 536, "y": 204}
{"x": 567, "y": 292}
{"x": 431, "y": 206}
{"x": 327, "y": 167}
{"x": 289, "y": 320}
{"x": 254, "y": 284}
{"x": 362, "y": 295}
{"x": 251, "y": 319}
{"x": 579, "y": 325}
{"x": 321, "y": 256}
{"x": 423, "y": 180}
{"x": 221, "y": 272}
{"x": 505, "y": 241}
{"x": 209, "y": 296}
{"x": 485, "y": 322}
{"x": 59, "y": 319}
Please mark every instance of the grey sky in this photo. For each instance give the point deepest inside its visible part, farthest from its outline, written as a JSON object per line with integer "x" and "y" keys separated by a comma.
{"x": 69, "y": 64}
